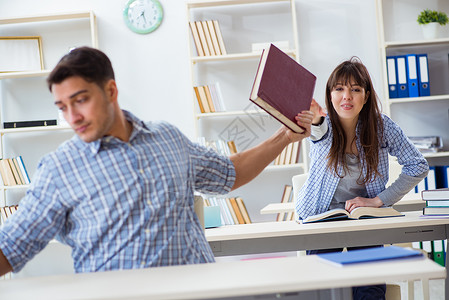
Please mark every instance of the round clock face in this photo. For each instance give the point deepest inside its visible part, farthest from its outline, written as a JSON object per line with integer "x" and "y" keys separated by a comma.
{"x": 143, "y": 16}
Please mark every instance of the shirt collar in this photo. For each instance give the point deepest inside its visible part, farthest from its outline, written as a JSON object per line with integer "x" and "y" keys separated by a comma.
{"x": 95, "y": 146}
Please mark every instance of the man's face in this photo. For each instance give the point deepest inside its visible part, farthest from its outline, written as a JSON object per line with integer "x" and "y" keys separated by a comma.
{"x": 87, "y": 107}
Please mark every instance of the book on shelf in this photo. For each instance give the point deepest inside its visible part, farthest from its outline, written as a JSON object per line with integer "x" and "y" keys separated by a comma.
{"x": 243, "y": 210}
{"x": 6, "y": 172}
{"x": 35, "y": 123}
{"x": 7, "y": 211}
{"x": 196, "y": 39}
{"x": 286, "y": 197}
{"x": 213, "y": 35}
{"x": 202, "y": 35}
{"x": 221, "y": 43}
{"x": 369, "y": 255}
{"x": 13, "y": 171}
{"x": 289, "y": 155}
{"x": 207, "y": 38}
{"x": 209, "y": 98}
{"x": 282, "y": 87}
{"x": 357, "y": 213}
{"x": 232, "y": 210}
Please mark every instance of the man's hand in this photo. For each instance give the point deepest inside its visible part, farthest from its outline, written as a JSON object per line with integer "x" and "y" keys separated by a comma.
{"x": 303, "y": 119}
{"x": 360, "y": 202}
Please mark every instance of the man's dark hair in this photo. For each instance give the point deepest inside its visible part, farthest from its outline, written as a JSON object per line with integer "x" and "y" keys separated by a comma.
{"x": 88, "y": 63}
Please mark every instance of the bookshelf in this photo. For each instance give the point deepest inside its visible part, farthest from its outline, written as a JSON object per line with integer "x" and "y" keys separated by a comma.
{"x": 400, "y": 34}
{"x": 264, "y": 21}
{"x": 24, "y": 94}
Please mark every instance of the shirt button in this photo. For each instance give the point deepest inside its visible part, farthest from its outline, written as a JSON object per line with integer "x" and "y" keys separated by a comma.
{"x": 142, "y": 263}
{"x": 142, "y": 171}
{"x": 149, "y": 202}
{"x": 147, "y": 231}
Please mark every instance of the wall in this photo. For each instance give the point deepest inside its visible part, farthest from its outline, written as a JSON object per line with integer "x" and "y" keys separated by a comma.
{"x": 153, "y": 71}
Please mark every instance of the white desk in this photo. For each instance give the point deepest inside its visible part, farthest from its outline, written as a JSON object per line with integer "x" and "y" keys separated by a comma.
{"x": 290, "y": 236}
{"x": 219, "y": 280}
{"x": 409, "y": 202}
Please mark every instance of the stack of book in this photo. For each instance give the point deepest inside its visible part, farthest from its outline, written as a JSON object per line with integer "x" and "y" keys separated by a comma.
{"x": 207, "y": 37}
{"x": 13, "y": 171}
{"x": 427, "y": 144}
{"x": 289, "y": 155}
{"x": 437, "y": 201}
{"x": 7, "y": 211}
{"x": 232, "y": 210}
{"x": 209, "y": 98}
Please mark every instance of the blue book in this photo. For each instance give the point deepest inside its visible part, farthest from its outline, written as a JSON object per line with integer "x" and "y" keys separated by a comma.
{"x": 370, "y": 255}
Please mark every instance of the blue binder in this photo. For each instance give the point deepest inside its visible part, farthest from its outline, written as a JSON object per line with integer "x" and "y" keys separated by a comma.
{"x": 412, "y": 76}
{"x": 391, "y": 75}
{"x": 423, "y": 75}
{"x": 401, "y": 72}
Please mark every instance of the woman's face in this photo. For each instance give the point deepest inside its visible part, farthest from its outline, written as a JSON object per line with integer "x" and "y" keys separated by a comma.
{"x": 348, "y": 100}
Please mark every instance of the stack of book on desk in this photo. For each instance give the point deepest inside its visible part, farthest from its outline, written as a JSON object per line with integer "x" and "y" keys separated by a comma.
{"x": 437, "y": 201}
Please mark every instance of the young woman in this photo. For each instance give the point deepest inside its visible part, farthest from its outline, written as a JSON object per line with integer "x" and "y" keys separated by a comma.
{"x": 349, "y": 153}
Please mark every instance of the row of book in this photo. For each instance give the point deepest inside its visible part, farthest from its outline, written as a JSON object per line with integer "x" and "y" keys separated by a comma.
{"x": 232, "y": 210}
{"x": 226, "y": 148}
{"x": 287, "y": 196}
{"x": 209, "y": 98}
{"x": 289, "y": 155}
{"x": 207, "y": 38}
{"x": 408, "y": 76}
{"x": 7, "y": 211}
{"x": 435, "y": 250}
{"x": 13, "y": 171}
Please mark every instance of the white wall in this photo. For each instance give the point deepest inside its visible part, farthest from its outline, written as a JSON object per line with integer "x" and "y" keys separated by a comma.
{"x": 153, "y": 71}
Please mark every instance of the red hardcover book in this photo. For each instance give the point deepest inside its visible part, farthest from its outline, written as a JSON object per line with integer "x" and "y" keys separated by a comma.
{"x": 282, "y": 87}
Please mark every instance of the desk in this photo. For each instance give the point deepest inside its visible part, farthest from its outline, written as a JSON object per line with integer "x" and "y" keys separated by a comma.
{"x": 219, "y": 280}
{"x": 290, "y": 236}
{"x": 409, "y": 202}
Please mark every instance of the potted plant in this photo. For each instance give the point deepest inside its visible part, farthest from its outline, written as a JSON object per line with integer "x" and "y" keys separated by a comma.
{"x": 430, "y": 21}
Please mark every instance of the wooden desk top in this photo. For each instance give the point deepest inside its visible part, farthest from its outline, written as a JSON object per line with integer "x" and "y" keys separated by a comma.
{"x": 292, "y": 228}
{"x": 229, "y": 279}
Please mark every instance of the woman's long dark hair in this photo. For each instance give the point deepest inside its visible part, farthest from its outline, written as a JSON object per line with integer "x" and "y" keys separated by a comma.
{"x": 370, "y": 120}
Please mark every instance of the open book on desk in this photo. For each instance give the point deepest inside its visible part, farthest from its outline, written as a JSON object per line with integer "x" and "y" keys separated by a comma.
{"x": 369, "y": 255}
{"x": 357, "y": 213}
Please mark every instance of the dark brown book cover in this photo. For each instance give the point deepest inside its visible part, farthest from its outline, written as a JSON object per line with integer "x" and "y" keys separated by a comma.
{"x": 282, "y": 87}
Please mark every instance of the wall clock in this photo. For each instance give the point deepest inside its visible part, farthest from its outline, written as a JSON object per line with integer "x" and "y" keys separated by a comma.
{"x": 143, "y": 16}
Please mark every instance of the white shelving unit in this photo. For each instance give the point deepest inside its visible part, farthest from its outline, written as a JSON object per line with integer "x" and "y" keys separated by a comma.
{"x": 24, "y": 95}
{"x": 400, "y": 34}
{"x": 243, "y": 23}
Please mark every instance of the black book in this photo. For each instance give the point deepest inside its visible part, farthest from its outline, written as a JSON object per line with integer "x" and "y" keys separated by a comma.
{"x": 29, "y": 123}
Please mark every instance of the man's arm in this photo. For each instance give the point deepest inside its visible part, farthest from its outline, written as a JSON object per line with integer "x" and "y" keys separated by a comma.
{"x": 248, "y": 164}
{"x": 5, "y": 267}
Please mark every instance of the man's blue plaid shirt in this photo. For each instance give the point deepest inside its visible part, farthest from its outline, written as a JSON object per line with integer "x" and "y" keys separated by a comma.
{"x": 119, "y": 205}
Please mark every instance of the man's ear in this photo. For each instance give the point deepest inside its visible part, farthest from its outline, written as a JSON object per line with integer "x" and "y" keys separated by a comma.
{"x": 110, "y": 88}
